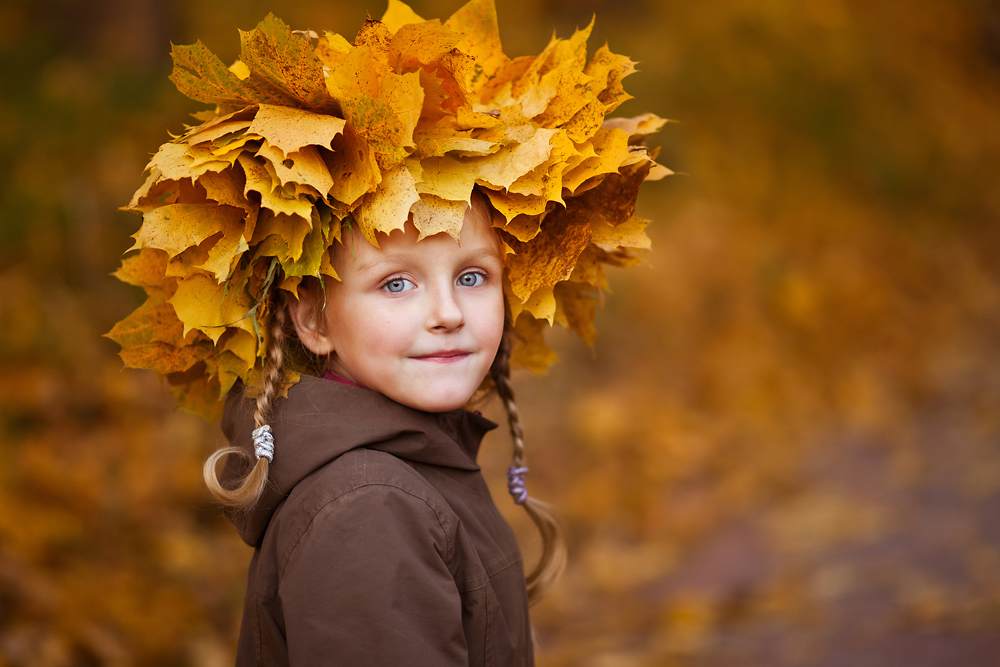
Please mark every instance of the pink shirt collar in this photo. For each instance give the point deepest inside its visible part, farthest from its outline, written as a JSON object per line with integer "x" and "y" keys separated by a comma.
{"x": 336, "y": 378}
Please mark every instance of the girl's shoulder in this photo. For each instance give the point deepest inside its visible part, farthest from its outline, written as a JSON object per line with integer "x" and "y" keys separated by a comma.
{"x": 358, "y": 487}
{"x": 364, "y": 468}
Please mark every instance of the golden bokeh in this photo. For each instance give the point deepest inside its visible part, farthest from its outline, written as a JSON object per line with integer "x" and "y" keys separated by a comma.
{"x": 783, "y": 448}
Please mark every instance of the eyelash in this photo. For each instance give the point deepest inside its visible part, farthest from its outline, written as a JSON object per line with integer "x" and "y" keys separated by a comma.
{"x": 385, "y": 284}
{"x": 388, "y": 281}
{"x": 481, "y": 274}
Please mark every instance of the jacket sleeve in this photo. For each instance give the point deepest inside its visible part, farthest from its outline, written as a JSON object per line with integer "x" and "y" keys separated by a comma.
{"x": 368, "y": 584}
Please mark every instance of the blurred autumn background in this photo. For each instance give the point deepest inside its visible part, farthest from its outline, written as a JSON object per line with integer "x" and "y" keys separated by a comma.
{"x": 783, "y": 449}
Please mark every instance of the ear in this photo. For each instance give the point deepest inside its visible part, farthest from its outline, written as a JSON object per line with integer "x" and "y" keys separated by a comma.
{"x": 311, "y": 332}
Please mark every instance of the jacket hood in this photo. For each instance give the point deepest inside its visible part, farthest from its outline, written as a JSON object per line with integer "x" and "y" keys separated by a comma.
{"x": 322, "y": 419}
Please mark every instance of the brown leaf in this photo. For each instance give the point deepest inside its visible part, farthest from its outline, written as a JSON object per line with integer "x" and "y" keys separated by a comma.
{"x": 576, "y": 309}
{"x": 552, "y": 254}
{"x": 530, "y": 350}
{"x": 285, "y": 63}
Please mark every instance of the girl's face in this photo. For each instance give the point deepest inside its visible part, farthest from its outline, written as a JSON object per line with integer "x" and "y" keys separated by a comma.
{"x": 417, "y": 322}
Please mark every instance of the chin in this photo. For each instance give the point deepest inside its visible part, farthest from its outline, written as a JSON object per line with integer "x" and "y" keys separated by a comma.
{"x": 438, "y": 399}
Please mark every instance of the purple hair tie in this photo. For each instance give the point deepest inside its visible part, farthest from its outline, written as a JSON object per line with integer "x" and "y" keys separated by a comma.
{"x": 515, "y": 484}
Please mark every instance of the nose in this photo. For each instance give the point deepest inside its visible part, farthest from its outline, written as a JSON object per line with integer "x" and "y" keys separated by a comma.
{"x": 445, "y": 311}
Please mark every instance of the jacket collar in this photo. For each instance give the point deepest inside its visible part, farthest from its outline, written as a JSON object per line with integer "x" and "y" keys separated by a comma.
{"x": 322, "y": 419}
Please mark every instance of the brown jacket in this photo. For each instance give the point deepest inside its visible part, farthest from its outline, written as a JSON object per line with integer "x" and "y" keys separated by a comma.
{"x": 377, "y": 542}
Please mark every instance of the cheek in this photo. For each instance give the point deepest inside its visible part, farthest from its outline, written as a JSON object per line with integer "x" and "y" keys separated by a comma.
{"x": 363, "y": 330}
{"x": 491, "y": 317}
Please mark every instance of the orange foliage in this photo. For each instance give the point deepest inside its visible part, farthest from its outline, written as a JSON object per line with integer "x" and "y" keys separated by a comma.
{"x": 782, "y": 449}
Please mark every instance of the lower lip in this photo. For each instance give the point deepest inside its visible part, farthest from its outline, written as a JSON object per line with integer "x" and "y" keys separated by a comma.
{"x": 444, "y": 360}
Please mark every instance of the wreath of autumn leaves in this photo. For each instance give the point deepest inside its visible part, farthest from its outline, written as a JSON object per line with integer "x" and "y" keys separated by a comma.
{"x": 311, "y": 133}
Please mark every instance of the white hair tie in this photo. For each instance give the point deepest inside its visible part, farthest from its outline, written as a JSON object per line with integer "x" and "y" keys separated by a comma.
{"x": 263, "y": 442}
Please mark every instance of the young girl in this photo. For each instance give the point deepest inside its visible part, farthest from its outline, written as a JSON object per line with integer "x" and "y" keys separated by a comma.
{"x": 387, "y": 548}
{"x": 358, "y": 240}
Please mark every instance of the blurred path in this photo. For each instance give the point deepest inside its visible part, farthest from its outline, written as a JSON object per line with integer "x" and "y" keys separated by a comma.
{"x": 889, "y": 555}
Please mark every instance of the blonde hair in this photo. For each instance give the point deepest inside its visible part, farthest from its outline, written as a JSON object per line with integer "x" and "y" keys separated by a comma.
{"x": 280, "y": 336}
{"x": 552, "y": 561}
{"x": 248, "y": 492}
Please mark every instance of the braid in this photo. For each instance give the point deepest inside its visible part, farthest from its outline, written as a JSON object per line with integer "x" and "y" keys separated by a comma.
{"x": 274, "y": 363}
{"x": 249, "y": 491}
{"x": 552, "y": 561}
{"x": 500, "y": 373}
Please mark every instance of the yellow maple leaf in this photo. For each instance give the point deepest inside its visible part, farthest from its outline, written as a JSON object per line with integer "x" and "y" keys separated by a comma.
{"x": 205, "y": 158}
{"x": 388, "y": 208}
{"x": 398, "y": 14}
{"x": 629, "y": 234}
{"x": 288, "y": 231}
{"x": 241, "y": 343}
{"x": 203, "y": 304}
{"x": 589, "y": 269}
{"x": 446, "y": 177}
{"x": 152, "y": 322}
{"x": 420, "y": 45}
{"x": 314, "y": 247}
{"x": 521, "y": 227}
{"x": 352, "y": 167}
{"x": 144, "y": 269}
{"x": 541, "y": 304}
{"x": 402, "y": 124}
{"x": 176, "y": 227}
{"x": 512, "y": 205}
{"x": 197, "y": 389}
{"x": 452, "y": 177}
{"x": 332, "y": 49}
{"x": 263, "y": 181}
{"x": 222, "y": 188}
{"x": 608, "y": 69}
{"x": 220, "y": 131}
{"x": 171, "y": 162}
{"x": 545, "y": 180}
{"x": 564, "y": 61}
{"x": 285, "y": 65}
{"x": 290, "y": 129}
{"x": 230, "y": 368}
{"x": 435, "y": 141}
{"x": 433, "y": 215}
{"x": 476, "y": 21}
{"x": 381, "y": 106}
{"x": 609, "y": 148}
{"x": 302, "y": 167}
{"x": 638, "y": 126}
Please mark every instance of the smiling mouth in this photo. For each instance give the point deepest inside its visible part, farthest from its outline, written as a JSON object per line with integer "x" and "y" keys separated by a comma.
{"x": 444, "y": 356}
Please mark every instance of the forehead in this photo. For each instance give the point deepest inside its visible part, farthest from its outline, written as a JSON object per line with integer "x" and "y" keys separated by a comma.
{"x": 478, "y": 237}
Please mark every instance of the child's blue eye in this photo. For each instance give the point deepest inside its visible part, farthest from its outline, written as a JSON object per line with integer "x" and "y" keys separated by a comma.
{"x": 471, "y": 279}
{"x": 397, "y": 285}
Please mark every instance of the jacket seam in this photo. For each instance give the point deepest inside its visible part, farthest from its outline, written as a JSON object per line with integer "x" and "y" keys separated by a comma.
{"x": 487, "y": 573}
{"x": 257, "y": 631}
{"x": 487, "y": 655}
{"x": 511, "y": 557}
{"x": 312, "y": 519}
{"x": 449, "y": 536}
